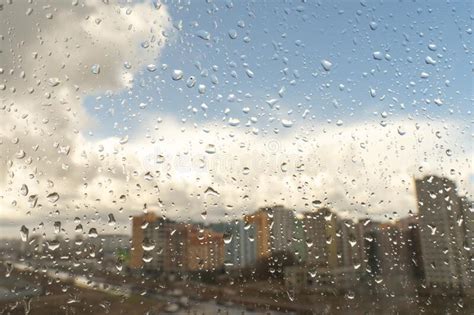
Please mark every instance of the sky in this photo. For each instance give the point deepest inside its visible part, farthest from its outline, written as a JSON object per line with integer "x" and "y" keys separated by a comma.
{"x": 121, "y": 108}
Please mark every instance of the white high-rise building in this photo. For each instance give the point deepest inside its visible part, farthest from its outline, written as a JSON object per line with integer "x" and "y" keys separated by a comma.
{"x": 240, "y": 245}
{"x": 443, "y": 220}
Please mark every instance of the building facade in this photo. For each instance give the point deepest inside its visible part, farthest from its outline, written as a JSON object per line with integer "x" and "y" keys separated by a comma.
{"x": 442, "y": 220}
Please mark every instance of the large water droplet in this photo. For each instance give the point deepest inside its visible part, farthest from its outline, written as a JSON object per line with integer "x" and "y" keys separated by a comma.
{"x": 53, "y": 245}
{"x": 111, "y": 219}
{"x": 53, "y": 197}
{"x": 429, "y": 60}
{"x": 210, "y": 148}
{"x": 95, "y": 69}
{"x": 24, "y": 190}
{"x": 286, "y": 123}
{"x": 203, "y": 34}
{"x": 227, "y": 238}
{"x": 93, "y": 233}
{"x": 211, "y": 192}
{"x": 57, "y": 227}
{"x": 24, "y": 233}
{"x": 327, "y": 65}
{"x": 177, "y": 75}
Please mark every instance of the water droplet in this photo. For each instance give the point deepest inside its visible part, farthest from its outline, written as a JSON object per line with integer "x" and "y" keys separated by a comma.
{"x": 290, "y": 295}
{"x": 201, "y": 88}
{"x": 33, "y": 200}
{"x": 119, "y": 266}
{"x": 24, "y": 190}
{"x": 372, "y": 92}
{"x": 327, "y": 65}
{"x": 249, "y": 73}
{"x": 57, "y": 227}
{"x": 373, "y": 25}
{"x": 53, "y": 197}
{"x": 54, "y": 82}
{"x": 78, "y": 228}
{"x": 272, "y": 102}
{"x": 286, "y": 123}
{"x": 401, "y": 131}
{"x": 111, "y": 219}
{"x": 190, "y": 82}
{"x": 95, "y": 69}
{"x": 53, "y": 245}
{"x": 151, "y": 67}
{"x": 233, "y": 34}
{"x": 20, "y": 154}
{"x": 429, "y": 60}
{"x": 148, "y": 176}
{"x": 24, "y": 233}
{"x": 203, "y": 34}
{"x": 211, "y": 191}
{"x": 210, "y": 148}
{"x": 449, "y": 152}
{"x": 93, "y": 233}
{"x": 234, "y": 122}
{"x": 148, "y": 246}
{"x": 123, "y": 140}
{"x": 424, "y": 75}
{"x": 377, "y": 55}
{"x": 227, "y": 238}
{"x": 177, "y": 75}
{"x": 9, "y": 269}
{"x": 350, "y": 295}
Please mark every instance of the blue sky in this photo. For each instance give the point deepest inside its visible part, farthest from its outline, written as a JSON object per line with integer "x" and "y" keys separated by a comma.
{"x": 283, "y": 45}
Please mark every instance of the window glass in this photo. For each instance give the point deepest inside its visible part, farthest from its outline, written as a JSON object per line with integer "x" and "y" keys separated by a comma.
{"x": 236, "y": 157}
